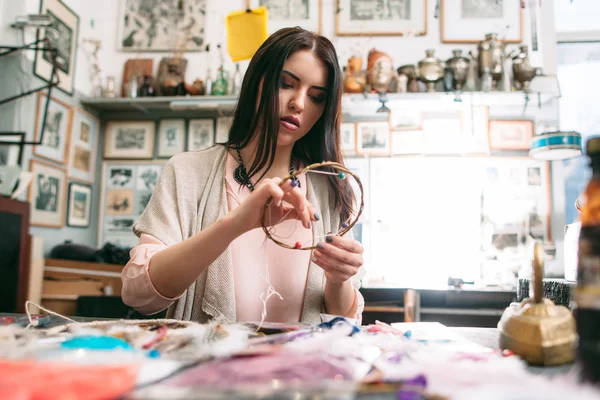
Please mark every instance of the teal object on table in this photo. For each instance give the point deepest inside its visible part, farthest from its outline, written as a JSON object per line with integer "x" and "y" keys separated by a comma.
{"x": 96, "y": 343}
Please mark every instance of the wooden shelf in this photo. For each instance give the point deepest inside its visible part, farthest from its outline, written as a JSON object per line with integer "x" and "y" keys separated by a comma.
{"x": 543, "y": 90}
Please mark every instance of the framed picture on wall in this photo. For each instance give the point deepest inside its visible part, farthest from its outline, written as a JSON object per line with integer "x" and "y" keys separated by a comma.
{"x": 85, "y": 130}
{"x": 443, "y": 132}
{"x": 55, "y": 128}
{"x": 64, "y": 38}
{"x": 171, "y": 137}
{"x": 164, "y": 26}
{"x": 373, "y": 138}
{"x": 468, "y": 21}
{"x": 79, "y": 205}
{"x": 407, "y": 142}
{"x": 223, "y": 126}
{"x": 510, "y": 135}
{"x": 372, "y": 18}
{"x": 201, "y": 134}
{"x": 126, "y": 189}
{"x": 129, "y": 139}
{"x": 348, "y": 137}
{"x": 405, "y": 119}
{"x": 47, "y": 194}
{"x": 288, "y": 13}
{"x": 11, "y": 154}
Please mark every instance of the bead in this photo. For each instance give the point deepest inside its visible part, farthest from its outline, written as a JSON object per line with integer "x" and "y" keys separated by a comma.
{"x": 344, "y": 225}
{"x": 298, "y": 245}
{"x": 342, "y": 175}
{"x": 508, "y": 353}
{"x": 294, "y": 182}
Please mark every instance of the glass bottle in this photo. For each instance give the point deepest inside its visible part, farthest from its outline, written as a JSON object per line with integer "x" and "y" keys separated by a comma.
{"x": 146, "y": 90}
{"x": 486, "y": 80}
{"x": 587, "y": 290}
{"x": 132, "y": 87}
{"x": 219, "y": 87}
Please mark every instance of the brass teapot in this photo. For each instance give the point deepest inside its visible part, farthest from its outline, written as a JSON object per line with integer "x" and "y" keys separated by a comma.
{"x": 522, "y": 69}
{"x": 536, "y": 329}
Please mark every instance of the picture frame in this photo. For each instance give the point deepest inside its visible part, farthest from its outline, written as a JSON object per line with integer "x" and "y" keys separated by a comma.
{"x": 405, "y": 119}
{"x": 85, "y": 135}
{"x": 47, "y": 194}
{"x": 223, "y": 126}
{"x": 11, "y": 154}
{"x": 79, "y": 206}
{"x": 56, "y": 126}
{"x": 129, "y": 140}
{"x": 511, "y": 134}
{"x": 407, "y": 142}
{"x": 468, "y": 21}
{"x": 125, "y": 189}
{"x": 348, "y": 137}
{"x": 363, "y": 18}
{"x": 181, "y": 28}
{"x": 443, "y": 132}
{"x": 373, "y": 138}
{"x": 201, "y": 134}
{"x": 285, "y": 13}
{"x": 65, "y": 36}
{"x": 171, "y": 137}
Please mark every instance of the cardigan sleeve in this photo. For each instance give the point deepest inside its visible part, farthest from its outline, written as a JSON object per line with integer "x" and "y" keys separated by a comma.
{"x": 164, "y": 216}
{"x": 138, "y": 291}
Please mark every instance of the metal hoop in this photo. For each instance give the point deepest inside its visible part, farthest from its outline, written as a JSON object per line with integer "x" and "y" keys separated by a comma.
{"x": 341, "y": 232}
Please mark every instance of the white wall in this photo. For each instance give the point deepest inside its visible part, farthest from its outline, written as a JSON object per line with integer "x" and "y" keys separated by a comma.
{"x": 403, "y": 50}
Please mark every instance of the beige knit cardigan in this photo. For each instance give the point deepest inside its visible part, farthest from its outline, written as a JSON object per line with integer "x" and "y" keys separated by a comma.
{"x": 190, "y": 195}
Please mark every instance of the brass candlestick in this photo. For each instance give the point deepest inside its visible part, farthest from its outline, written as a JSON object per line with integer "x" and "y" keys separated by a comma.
{"x": 536, "y": 329}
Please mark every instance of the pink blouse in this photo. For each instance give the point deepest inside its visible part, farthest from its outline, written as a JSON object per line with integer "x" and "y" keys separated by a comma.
{"x": 252, "y": 258}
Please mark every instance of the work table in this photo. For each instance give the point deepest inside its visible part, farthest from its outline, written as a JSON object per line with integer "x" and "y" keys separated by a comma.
{"x": 466, "y": 307}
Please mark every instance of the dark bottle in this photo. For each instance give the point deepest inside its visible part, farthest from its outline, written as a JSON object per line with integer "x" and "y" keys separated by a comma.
{"x": 587, "y": 291}
{"x": 146, "y": 90}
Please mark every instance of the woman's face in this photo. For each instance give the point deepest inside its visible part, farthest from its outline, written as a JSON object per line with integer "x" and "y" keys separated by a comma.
{"x": 302, "y": 96}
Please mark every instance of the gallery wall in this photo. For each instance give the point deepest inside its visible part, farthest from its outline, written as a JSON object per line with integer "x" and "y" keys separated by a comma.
{"x": 99, "y": 20}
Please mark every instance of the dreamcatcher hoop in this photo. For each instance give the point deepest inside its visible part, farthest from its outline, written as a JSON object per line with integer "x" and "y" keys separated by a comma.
{"x": 342, "y": 173}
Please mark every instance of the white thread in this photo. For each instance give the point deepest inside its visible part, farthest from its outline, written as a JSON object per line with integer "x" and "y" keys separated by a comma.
{"x": 264, "y": 298}
{"x": 35, "y": 323}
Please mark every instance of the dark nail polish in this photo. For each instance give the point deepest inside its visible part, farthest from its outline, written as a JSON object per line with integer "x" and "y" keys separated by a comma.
{"x": 320, "y": 246}
{"x": 329, "y": 239}
{"x": 317, "y": 216}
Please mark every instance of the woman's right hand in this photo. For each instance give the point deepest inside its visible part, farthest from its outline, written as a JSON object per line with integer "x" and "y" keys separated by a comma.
{"x": 287, "y": 203}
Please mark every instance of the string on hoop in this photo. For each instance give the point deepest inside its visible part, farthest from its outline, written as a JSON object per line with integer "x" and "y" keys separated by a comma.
{"x": 343, "y": 173}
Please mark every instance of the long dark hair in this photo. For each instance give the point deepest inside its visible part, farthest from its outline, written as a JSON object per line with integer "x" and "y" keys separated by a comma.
{"x": 322, "y": 142}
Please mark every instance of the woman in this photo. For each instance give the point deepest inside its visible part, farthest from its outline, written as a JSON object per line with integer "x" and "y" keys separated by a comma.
{"x": 202, "y": 251}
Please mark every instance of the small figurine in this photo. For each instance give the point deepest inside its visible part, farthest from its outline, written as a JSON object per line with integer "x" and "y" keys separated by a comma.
{"x": 380, "y": 71}
{"x": 354, "y": 80}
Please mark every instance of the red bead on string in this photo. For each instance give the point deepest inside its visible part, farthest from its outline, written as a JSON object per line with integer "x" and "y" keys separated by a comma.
{"x": 298, "y": 245}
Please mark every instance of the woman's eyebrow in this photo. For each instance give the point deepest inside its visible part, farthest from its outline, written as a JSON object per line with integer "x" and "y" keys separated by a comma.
{"x": 298, "y": 79}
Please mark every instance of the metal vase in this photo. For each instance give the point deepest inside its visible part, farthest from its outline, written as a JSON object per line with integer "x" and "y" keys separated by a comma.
{"x": 431, "y": 69}
{"x": 491, "y": 56}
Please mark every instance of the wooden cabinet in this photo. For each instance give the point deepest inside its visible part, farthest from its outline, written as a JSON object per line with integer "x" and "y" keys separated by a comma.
{"x": 14, "y": 254}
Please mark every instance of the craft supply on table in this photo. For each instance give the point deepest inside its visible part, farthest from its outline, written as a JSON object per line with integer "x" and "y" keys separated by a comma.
{"x": 334, "y": 359}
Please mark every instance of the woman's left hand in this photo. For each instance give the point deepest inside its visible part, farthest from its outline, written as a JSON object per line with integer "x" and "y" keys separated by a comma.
{"x": 340, "y": 258}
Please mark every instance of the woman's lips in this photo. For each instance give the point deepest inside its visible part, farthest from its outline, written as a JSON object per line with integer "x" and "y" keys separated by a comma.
{"x": 287, "y": 125}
